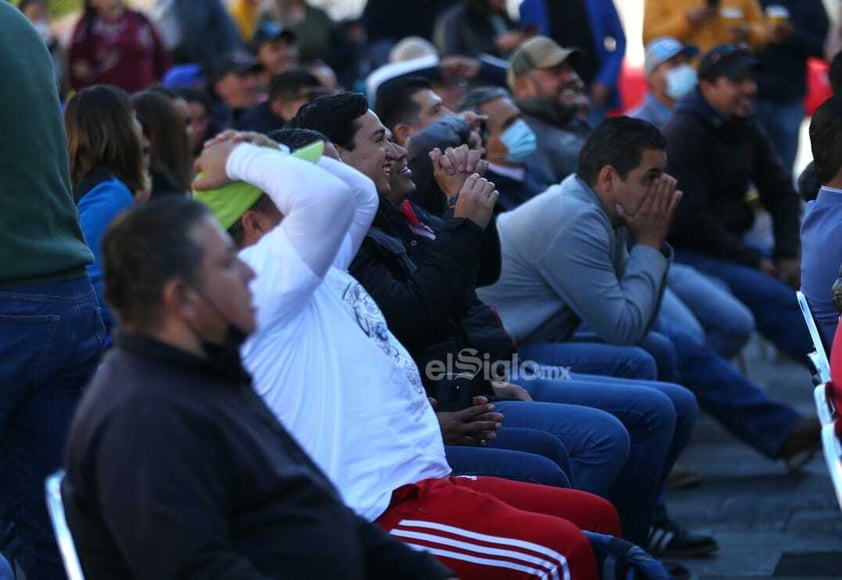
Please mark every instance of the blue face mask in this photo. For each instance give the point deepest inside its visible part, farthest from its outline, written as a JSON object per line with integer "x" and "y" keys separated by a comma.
{"x": 680, "y": 81}
{"x": 520, "y": 141}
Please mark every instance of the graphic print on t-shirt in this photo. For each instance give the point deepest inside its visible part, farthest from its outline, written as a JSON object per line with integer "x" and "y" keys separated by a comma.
{"x": 373, "y": 324}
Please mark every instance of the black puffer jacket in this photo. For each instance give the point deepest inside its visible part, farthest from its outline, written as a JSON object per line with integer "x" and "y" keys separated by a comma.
{"x": 715, "y": 160}
{"x": 426, "y": 287}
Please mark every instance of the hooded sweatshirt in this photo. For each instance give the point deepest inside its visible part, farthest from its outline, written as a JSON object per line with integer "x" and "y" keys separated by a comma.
{"x": 715, "y": 159}
{"x": 40, "y": 237}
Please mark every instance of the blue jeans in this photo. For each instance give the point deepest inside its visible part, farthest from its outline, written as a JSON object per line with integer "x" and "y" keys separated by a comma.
{"x": 782, "y": 121}
{"x": 597, "y": 443}
{"x": 518, "y": 454}
{"x": 772, "y": 302}
{"x": 51, "y": 336}
{"x": 628, "y": 362}
{"x": 738, "y": 404}
{"x": 705, "y": 309}
{"x": 5, "y": 569}
{"x": 659, "y": 418}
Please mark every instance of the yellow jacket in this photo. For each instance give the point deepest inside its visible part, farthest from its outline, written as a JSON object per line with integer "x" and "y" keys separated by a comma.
{"x": 245, "y": 13}
{"x": 669, "y": 18}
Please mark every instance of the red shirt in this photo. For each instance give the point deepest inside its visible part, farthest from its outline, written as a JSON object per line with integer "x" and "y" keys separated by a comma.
{"x": 127, "y": 53}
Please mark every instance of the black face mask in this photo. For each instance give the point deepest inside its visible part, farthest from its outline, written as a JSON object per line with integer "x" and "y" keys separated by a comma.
{"x": 225, "y": 358}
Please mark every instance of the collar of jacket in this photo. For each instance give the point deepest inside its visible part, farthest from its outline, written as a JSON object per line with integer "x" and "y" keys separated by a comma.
{"x": 228, "y": 370}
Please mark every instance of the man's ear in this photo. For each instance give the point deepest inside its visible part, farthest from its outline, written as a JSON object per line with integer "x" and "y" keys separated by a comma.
{"x": 178, "y": 296}
{"x": 252, "y": 224}
{"x": 606, "y": 178}
{"x": 277, "y": 107}
{"x": 402, "y": 133}
{"x": 523, "y": 88}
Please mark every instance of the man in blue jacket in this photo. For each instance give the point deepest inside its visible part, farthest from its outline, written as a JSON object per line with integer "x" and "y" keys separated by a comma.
{"x": 823, "y": 220}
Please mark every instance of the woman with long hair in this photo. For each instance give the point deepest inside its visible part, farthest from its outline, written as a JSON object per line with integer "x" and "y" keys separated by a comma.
{"x": 166, "y": 126}
{"x": 114, "y": 45}
{"x": 107, "y": 166}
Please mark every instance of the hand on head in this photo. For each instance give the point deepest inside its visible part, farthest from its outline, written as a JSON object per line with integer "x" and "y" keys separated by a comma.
{"x": 210, "y": 166}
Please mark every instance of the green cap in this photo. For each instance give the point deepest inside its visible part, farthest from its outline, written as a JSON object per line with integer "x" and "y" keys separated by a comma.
{"x": 229, "y": 202}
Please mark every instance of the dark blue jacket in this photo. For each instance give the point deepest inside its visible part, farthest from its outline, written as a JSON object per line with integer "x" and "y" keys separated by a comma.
{"x": 784, "y": 77}
{"x": 715, "y": 160}
{"x": 177, "y": 469}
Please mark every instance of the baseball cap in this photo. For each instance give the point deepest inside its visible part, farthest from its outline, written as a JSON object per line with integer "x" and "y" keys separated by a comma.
{"x": 729, "y": 60}
{"x": 183, "y": 76}
{"x": 268, "y": 32}
{"x": 536, "y": 53}
{"x": 229, "y": 202}
{"x": 235, "y": 62}
{"x": 662, "y": 49}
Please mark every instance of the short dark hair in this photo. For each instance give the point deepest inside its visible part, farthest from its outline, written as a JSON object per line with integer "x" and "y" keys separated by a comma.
{"x": 296, "y": 138}
{"x": 335, "y": 116}
{"x": 826, "y": 139}
{"x": 289, "y": 85}
{"x": 264, "y": 204}
{"x": 393, "y": 101}
{"x": 477, "y": 97}
{"x": 834, "y": 74}
{"x": 145, "y": 248}
{"x": 620, "y": 143}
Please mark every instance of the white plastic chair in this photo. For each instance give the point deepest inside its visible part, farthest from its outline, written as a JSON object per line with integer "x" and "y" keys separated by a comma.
{"x": 818, "y": 357}
{"x": 824, "y": 406}
{"x": 833, "y": 457}
{"x": 63, "y": 536}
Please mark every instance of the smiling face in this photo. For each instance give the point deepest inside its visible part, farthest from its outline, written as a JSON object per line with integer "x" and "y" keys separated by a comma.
{"x": 731, "y": 97}
{"x": 372, "y": 154}
{"x": 549, "y": 83}
{"x": 400, "y": 178}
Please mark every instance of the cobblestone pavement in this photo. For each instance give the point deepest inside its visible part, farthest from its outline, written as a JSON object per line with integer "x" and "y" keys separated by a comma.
{"x": 768, "y": 523}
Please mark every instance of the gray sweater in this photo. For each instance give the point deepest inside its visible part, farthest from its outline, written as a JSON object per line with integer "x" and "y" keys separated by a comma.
{"x": 565, "y": 263}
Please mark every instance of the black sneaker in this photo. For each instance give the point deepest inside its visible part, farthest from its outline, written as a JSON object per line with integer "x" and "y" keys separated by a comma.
{"x": 668, "y": 539}
{"x": 677, "y": 571}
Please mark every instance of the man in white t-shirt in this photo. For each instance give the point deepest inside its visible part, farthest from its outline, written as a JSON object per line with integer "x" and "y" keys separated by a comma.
{"x": 327, "y": 365}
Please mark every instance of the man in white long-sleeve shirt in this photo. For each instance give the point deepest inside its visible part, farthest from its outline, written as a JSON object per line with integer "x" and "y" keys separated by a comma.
{"x": 326, "y": 363}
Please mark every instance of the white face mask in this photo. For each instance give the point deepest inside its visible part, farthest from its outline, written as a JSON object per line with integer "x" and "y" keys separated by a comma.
{"x": 680, "y": 81}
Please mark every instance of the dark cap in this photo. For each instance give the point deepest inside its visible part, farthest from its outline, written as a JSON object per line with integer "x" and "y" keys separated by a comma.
{"x": 728, "y": 60}
{"x": 235, "y": 62}
{"x": 536, "y": 53}
{"x": 268, "y": 32}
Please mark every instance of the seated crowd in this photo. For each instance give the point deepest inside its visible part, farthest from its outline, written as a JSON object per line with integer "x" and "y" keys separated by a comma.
{"x": 461, "y": 326}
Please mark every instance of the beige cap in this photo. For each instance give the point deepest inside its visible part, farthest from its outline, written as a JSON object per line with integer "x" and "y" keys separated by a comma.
{"x": 536, "y": 53}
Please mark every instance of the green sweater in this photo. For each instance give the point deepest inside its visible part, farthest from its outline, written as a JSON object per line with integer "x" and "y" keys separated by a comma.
{"x": 40, "y": 237}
